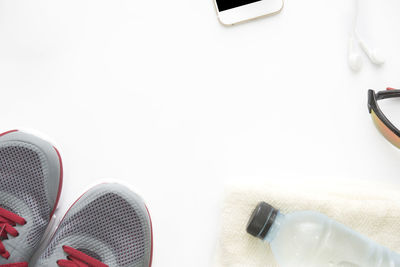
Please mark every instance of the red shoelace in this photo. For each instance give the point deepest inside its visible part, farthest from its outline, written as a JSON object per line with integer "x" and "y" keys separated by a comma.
{"x": 8, "y": 221}
{"x": 77, "y": 258}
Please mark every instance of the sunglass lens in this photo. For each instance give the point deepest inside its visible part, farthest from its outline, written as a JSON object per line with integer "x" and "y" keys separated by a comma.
{"x": 385, "y": 131}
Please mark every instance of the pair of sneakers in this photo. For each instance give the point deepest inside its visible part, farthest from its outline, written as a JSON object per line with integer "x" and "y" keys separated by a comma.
{"x": 107, "y": 226}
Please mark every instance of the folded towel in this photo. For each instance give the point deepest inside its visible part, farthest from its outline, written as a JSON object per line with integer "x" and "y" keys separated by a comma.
{"x": 371, "y": 209}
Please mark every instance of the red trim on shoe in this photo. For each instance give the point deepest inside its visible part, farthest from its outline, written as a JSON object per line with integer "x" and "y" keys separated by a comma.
{"x": 60, "y": 185}
{"x": 2, "y": 134}
{"x": 151, "y": 227}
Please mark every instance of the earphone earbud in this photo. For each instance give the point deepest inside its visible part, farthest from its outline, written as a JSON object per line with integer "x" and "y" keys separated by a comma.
{"x": 354, "y": 58}
{"x": 376, "y": 57}
{"x": 373, "y": 54}
{"x": 355, "y": 61}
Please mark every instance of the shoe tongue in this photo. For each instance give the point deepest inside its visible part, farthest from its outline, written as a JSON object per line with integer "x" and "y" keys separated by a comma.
{"x": 16, "y": 255}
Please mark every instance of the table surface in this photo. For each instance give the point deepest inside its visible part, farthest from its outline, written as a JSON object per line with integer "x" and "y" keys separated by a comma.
{"x": 161, "y": 96}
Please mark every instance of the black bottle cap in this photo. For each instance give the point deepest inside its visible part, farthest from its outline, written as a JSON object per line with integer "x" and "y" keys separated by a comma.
{"x": 261, "y": 220}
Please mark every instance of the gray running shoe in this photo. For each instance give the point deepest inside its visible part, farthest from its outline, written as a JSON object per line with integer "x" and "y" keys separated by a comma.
{"x": 30, "y": 187}
{"x": 108, "y": 226}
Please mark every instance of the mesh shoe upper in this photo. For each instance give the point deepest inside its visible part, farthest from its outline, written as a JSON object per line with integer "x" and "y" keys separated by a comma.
{"x": 109, "y": 223}
{"x": 30, "y": 183}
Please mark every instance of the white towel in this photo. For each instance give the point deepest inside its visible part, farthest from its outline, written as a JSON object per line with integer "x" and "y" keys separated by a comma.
{"x": 370, "y": 209}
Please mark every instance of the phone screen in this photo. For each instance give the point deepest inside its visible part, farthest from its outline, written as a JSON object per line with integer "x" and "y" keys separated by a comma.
{"x": 228, "y": 4}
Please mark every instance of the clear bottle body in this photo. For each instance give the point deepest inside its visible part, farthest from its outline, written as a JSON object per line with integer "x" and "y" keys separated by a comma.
{"x": 311, "y": 239}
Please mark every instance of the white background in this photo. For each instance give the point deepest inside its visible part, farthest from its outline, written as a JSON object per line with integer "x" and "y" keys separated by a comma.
{"x": 158, "y": 94}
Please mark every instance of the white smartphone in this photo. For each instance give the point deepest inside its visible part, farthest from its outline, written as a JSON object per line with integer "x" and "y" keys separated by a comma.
{"x": 235, "y": 11}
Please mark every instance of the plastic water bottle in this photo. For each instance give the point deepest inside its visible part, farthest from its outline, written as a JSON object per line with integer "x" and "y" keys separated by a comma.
{"x": 311, "y": 239}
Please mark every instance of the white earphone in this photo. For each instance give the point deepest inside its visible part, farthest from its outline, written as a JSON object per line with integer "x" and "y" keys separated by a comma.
{"x": 354, "y": 57}
{"x": 355, "y": 61}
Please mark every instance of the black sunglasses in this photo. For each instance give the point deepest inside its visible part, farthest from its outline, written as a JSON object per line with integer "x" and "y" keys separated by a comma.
{"x": 385, "y": 127}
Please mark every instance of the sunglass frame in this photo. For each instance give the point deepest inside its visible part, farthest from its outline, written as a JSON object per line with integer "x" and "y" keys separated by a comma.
{"x": 373, "y": 105}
